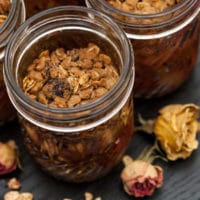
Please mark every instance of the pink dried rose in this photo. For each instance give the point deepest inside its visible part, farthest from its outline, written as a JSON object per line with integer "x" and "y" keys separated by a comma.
{"x": 8, "y": 157}
{"x": 140, "y": 178}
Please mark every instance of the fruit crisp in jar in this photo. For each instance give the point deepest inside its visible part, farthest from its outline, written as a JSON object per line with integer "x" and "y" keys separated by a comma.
{"x": 165, "y": 38}
{"x": 72, "y": 87}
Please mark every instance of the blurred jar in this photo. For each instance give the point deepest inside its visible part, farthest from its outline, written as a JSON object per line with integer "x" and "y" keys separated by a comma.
{"x": 14, "y": 18}
{"x": 85, "y": 142}
{"x": 33, "y": 7}
{"x": 165, "y": 44}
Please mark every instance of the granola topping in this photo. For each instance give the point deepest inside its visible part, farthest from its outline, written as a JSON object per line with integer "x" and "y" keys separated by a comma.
{"x": 143, "y": 6}
{"x": 69, "y": 78}
{"x": 14, "y": 184}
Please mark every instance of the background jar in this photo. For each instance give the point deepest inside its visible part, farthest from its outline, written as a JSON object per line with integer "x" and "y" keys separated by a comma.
{"x": 15, "y": 17}
{"x": 165, "y": 45}
{"x": 85, "y": 142}
{"x": 33, "y": 7}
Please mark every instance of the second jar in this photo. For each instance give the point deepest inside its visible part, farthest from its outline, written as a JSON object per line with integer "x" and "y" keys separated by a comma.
{"x": 69, "y": 73}
{"x": 165, "y": 38}
{"x": 12, "y": 14}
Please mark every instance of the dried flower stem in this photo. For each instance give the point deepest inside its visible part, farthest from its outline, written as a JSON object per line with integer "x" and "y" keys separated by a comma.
{"x": 150, "y": 154}
{"x": 147, "y": 155}
{"x": 146, "y": 125}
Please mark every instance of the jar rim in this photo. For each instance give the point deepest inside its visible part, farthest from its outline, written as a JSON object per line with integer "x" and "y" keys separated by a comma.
{"x": 172, "y": 25}
{"x": 11, "y": 82}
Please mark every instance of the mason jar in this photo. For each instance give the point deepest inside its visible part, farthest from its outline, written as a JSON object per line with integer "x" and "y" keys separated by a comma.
{"x": 14, "y": 18}
{"x": 33, "y": 7}
{"x": 80, "y": 143}
{"x": 165, "y": 44}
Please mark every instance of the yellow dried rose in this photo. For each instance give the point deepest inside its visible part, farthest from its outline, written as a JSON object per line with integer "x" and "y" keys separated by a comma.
{"x": 175, "y": 129}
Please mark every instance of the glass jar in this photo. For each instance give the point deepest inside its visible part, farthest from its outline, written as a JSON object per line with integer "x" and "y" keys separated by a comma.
{"x": 85, "y": 142}
{"x": 165, "y": 44}
{"x": 15, "y": 17}
{"x": 33, "y": 7}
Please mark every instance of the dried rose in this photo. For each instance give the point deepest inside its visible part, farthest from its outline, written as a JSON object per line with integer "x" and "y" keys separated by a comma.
{"x": 176, "y": 129}
{"x": 140, "y": 178}
{"x": 8, "y": 157}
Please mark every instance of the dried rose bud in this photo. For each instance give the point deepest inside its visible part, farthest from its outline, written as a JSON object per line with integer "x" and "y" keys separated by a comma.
{"x": 140, "y": 178}
{"x": 8, "y": 157}
{"x": 176, "y": 128}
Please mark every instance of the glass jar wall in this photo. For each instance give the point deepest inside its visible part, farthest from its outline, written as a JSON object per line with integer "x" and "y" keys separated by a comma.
{"x": 80, "y": 143}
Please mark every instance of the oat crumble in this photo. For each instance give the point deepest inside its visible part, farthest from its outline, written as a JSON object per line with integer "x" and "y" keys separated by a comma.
{"x": 69, "y": 78}
{"x": 143, "y": 6}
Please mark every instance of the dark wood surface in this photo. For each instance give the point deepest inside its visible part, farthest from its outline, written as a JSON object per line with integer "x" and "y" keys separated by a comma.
{"x": 181, "y": 178}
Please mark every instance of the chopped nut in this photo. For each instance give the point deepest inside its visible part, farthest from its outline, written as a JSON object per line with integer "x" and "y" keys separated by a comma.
{"x": 86, "y": 93}
{"x": 60, "y": 53}
{"x": 2, "y": 19}
{"x": 13, "y": 184}
{"x": 100, "y": 91}
{"x": 25, "y": 196}
{"x": 12, "y": 195}
{"x": 88, "y": 196}
{"x": 74, "y": 100}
